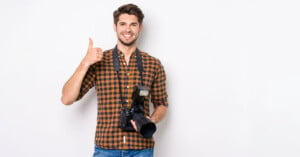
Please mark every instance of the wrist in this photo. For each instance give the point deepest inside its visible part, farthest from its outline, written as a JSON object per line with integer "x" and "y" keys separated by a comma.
{"x": 85, "y": 63}
{"x": 153, "y": 120}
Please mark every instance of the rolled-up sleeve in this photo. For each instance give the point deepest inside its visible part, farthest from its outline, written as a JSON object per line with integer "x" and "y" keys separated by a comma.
{"x": 88, "y": 81}
{"x": 158, "y": 89}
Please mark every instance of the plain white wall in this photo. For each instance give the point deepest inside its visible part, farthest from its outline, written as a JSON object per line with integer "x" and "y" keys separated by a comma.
{"x": 232, "y": 68}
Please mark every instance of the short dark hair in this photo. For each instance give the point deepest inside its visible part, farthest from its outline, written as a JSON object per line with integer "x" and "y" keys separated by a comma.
{"x": 130, "y": 9}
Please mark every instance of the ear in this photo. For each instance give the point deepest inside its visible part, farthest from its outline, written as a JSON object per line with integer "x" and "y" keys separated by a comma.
{"x": 141, "y": 28}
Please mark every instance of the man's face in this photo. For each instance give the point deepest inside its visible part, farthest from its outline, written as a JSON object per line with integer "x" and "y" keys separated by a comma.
{"x": 127, "y": 29}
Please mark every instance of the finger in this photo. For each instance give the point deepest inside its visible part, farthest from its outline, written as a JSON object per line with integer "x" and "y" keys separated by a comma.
{"x": 99, "y": 56}
{"x": 98, "y": 53}
{"x": 90, "y": 43}
{"x": 133, "y": 124}
{"x": 99, "y": 50}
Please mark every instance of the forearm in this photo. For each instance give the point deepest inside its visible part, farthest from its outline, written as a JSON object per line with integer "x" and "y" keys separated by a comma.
{"x": 159, "y": 113}
{"x": 72, "y": 87}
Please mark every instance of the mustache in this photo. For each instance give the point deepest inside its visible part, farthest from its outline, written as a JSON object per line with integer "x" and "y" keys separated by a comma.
{"x": 127, "y": 32}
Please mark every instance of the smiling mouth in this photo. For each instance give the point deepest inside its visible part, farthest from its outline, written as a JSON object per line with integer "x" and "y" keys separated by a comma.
{"x": 127, "y": 36}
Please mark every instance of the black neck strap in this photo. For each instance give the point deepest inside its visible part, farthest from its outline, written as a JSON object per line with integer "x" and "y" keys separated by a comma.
{"x": 117, "y": 69}
{"x": 117, "y": 64}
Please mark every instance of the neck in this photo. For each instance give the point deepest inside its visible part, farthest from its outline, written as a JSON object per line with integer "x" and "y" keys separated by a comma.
{"x": 127, "y": 50}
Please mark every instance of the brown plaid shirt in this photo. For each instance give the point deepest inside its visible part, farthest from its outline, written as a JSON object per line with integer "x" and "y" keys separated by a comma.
{"x": 105, "y": 79}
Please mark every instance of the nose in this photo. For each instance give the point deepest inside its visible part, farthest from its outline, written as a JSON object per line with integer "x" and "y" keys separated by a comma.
{"x": 128, "y": 29}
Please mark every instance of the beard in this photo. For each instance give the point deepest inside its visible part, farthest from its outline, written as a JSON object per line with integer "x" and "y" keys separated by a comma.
{"x": 127, "y": 43}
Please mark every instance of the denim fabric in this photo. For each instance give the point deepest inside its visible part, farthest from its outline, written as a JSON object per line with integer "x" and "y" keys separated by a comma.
{"x": 100, "y": 152}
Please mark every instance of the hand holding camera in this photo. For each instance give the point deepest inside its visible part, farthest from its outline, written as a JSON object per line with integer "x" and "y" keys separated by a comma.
{"x": 134, "y": 125}
{"x": 133, "y": 118}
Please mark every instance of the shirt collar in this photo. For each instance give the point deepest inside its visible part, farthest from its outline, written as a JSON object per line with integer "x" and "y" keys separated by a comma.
{"x": 121, "y": 54}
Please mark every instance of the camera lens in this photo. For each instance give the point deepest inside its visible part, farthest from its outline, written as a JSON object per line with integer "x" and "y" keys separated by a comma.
{"x": 144, "y": 125}
{"x": 147, "y": 130}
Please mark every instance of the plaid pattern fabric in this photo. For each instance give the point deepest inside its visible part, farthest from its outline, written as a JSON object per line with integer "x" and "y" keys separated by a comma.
{"x": 105, "y": 79}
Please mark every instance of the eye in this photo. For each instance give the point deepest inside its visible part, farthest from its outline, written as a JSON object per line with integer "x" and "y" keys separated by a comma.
{"x": 121, "y": 23}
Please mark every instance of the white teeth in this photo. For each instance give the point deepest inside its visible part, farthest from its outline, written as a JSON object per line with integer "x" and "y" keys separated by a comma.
{"x": 127, "y": 36}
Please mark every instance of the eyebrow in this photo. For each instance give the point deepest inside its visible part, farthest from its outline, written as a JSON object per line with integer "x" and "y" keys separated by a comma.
{"x": 122, "y": 22}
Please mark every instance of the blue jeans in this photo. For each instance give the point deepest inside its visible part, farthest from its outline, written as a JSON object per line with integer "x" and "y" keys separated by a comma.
{"x": 100, "y": 152}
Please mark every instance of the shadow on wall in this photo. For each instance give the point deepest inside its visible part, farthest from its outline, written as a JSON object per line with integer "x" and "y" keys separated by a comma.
{"x": 164, "y": 127}
{"x": 87, "y": 103}
{"x": 142, "y": 40}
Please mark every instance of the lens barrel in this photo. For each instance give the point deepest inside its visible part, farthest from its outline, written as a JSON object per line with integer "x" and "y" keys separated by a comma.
{"x": 144, "y": 125}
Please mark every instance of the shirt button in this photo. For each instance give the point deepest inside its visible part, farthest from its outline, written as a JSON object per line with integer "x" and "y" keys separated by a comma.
{"x": 126, "y": 101}
{"x": 127, "y": 87}
{"x": 128, "y": 74}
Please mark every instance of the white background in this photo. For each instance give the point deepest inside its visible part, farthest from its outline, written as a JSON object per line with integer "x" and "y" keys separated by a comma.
{"x": 232, "y": 68}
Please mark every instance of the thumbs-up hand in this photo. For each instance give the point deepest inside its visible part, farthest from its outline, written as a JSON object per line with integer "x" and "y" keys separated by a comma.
{"x": 93, "y": 55}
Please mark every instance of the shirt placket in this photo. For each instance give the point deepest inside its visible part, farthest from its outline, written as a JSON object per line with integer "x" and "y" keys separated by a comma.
{"x": 127, "y": 85}
{"x": 127, "y": 80}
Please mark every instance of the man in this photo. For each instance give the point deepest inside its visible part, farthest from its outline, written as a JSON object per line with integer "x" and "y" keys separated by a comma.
{"x": 116, "y": 74}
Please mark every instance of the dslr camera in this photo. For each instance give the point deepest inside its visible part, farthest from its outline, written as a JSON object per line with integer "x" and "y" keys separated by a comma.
{"x": 136, "y": 113}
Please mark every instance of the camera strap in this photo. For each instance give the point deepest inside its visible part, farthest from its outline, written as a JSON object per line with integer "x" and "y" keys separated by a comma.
{"x": 117, "y": 69}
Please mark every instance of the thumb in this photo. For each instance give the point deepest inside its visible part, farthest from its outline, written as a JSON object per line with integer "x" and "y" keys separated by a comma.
{"x": 133, "y": 124}
{"x": 90, "y": 43}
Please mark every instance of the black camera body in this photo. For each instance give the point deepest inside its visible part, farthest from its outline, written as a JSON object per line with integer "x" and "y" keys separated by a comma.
{"x": 136, "y": 113}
